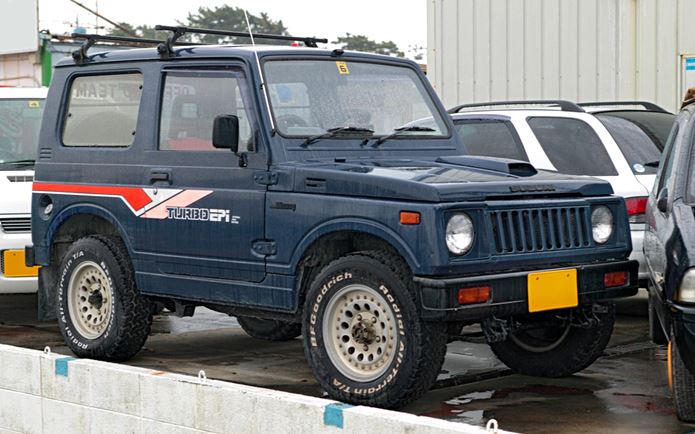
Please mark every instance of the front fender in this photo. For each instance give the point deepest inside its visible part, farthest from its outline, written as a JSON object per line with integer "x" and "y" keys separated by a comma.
{"x": 366, "y": 226}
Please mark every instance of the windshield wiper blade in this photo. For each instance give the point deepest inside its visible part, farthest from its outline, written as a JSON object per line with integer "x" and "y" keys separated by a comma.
{"x": 26, "y": 162}
{"x": 332, "y": 132}
{"x": 651, "y": 164}
{"x": 398, "y": 132}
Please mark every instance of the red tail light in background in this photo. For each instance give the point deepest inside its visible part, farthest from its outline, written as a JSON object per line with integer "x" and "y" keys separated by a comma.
{"x": 636, "y": 207}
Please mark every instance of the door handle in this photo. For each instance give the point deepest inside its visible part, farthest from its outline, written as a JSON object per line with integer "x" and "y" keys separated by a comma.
{"x": 160, "y": 176}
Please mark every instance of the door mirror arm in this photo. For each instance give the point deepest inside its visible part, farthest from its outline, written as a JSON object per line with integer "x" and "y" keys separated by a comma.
{"x": 662, "y": 201}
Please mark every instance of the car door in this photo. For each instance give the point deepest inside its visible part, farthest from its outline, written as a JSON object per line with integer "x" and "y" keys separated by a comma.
{"x": 659, "y": 222}
{"x": 205, "y": 210}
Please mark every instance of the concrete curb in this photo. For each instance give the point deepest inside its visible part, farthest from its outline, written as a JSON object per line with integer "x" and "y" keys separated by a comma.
{"x": 51, "y": 393}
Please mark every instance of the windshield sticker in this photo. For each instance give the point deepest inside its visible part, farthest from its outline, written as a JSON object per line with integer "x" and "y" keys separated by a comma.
{"x": 342, "y": 68}
{"x": 34, "y": 104}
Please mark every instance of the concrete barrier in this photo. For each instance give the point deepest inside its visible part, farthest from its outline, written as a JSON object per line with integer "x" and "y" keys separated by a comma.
{"x": 51, "y": 393}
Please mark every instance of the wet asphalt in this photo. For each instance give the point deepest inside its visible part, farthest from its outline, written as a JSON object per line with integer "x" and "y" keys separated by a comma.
{"x": 625, "y": 391}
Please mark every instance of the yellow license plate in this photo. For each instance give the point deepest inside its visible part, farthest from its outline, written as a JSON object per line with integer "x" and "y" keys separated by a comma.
{"x": 14, "y": 266}
{"x": 550, "y": 290}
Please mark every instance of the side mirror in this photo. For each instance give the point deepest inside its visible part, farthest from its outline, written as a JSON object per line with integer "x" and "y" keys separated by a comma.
{"x": 225, "y": 132}
{"x": 662, "y": 200}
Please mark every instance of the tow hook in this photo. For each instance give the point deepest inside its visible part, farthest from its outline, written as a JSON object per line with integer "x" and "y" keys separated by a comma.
{"x": 495, "y": 329}
{"x": 586, "y": 317}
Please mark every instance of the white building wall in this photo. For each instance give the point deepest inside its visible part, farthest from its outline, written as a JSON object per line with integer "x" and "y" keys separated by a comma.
{"x": 581, "y": 50}
{"x": 20, "y": 70}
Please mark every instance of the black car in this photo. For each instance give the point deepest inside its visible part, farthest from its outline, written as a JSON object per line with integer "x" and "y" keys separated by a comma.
{"x": 669, "y": 248}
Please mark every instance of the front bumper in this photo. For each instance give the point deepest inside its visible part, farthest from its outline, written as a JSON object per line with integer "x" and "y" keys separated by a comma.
{"x": 15, "y": 285}
{"x": 684, "y": 333}
{"x": 509, "y": 291}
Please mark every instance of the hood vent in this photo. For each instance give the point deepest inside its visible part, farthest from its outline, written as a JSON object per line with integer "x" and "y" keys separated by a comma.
{"x": 504, "y": 165}
{"x": 20, "y": 178}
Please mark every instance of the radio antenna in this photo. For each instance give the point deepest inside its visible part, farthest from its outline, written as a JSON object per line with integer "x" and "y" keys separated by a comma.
{"x": 264, "y": 86}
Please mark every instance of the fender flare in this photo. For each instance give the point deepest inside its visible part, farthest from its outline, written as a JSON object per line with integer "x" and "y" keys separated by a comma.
{"x": 363, "y": 225}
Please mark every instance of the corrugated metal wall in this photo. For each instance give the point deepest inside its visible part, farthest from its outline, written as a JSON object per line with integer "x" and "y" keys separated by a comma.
{"x": 581, "y": 50}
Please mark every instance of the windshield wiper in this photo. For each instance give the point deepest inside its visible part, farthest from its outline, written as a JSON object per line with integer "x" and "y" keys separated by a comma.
{"x": 27, "y": 162}
{"x": 651, "y": 164}
{"x": 398, "y": 132}
{"x": 337, "y": 131}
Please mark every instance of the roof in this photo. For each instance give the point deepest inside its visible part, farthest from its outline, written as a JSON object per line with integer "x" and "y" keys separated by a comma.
{"x": 218, "y": 51}
{"x": 23, "y": 92}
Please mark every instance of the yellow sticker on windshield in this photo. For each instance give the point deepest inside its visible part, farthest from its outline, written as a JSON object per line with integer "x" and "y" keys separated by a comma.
{"x": 342, "y": 67}
{"x": 34, "y": 104}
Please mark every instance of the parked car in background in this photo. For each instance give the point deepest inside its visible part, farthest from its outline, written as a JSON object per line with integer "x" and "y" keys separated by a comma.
{"x": 620, "y": 142}
{"x": 669, "y": 248}
{"x": 21, "y": 110}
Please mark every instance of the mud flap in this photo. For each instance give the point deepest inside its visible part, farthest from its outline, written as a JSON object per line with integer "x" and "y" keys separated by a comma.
{"x": 46, "y": 295}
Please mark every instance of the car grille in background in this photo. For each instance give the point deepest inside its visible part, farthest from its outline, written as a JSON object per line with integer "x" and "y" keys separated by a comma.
{"x": 540, "y": 229}
{"x": 20, "y": 178}
{"x": 15, "y": 225}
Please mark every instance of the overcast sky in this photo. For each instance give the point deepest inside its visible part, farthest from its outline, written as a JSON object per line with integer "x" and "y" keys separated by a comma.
{"x": 403, "y": 21}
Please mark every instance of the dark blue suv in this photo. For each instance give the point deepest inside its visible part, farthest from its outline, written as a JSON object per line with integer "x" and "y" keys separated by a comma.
{"x": 290, "y": 188}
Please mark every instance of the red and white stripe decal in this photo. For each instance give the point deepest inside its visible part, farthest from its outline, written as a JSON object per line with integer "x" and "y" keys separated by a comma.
{"x": 143, "y": 202}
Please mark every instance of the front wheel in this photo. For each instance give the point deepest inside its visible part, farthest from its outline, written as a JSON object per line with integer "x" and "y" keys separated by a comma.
{"x": 557, "y": 344}
{"x": 363, "y": 336}
{"x": 682, "y": 383}
{"x": 100, "y": 312}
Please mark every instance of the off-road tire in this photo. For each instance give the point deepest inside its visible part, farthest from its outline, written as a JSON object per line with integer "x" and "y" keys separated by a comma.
{"x": 683, "y": 384}
{"x": 656, "y": 332}
{"x": 269, "y": 329}
{"x": 131, "y": 313}
{"x": 578, "y": 349}
{"x": 419, "y": 346}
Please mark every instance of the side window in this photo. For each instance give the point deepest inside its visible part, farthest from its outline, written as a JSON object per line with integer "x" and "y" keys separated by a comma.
{"x": 666, "y": 162}
{"x": 491, "y": 138}
{"x": 103, "y": 110}
{"x": 572, "y": 146}
{"x": 190, "y": 103}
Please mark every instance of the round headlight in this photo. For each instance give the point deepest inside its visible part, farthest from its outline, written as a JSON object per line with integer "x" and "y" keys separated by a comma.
{"x": 601, "y": 224}
{"x": 459, "y": 234}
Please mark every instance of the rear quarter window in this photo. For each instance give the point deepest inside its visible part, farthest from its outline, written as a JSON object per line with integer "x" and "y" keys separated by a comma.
{"x": 572, "y": 146}
{"x": 490, "y": 138}
{"x": 636, "y": 145}
{"x": 103, "y": 110}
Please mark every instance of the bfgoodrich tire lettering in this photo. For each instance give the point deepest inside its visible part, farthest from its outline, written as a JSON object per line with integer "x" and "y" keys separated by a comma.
{"x": 96, "y": 272}
{"x": 383, "y": 303}
{"x": 569, "y": 349}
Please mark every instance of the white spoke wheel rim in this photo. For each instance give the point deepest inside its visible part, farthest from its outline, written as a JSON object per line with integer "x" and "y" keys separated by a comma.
{"x": 360, "y": 333}
{"x": 89, "y": 300}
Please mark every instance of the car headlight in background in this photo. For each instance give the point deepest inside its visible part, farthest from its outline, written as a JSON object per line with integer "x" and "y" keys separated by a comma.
{"x": 686, "y": 291}
{"x": 459, "y": 234}
{"x": 601, "y": 224}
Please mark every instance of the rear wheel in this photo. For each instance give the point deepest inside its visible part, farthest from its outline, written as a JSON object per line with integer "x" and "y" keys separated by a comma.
{"x": 556, "y": 344}
{"x": 100, "y": 312}
{"x": 269, "y": 329}
{"x": 682, "y": 383}
{"x": 363, "y": 335}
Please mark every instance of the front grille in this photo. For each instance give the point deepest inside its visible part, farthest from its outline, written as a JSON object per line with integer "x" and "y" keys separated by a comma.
{"x": 15, "y": 225}
{"x": 540, "y": 229}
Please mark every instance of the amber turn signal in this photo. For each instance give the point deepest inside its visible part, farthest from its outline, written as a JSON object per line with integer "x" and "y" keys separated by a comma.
{"x": 410, "y": 218}
{"x": 476, "y": 294}
{"x": 615, "y": 278}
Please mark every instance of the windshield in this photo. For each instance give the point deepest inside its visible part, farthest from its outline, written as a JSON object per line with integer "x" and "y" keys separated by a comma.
{"x": 313, "y": 97}
{"x": 640, "y": 135}
{"x": 20, "y": 121}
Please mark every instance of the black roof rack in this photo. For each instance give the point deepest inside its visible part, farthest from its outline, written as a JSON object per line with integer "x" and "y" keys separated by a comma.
{"x": 645, "y": 104}
{"x": 179, "y": 31}
{"x": 80, "y": 55}
{"x": 567, "y": 106}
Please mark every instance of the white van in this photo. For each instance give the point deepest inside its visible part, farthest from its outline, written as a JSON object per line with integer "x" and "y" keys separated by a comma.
{"x": 21, "y": 110}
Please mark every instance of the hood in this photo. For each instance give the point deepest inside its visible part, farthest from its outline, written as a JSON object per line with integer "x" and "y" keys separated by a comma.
{"x": 15, "y": 191}
{"x": 447, "y": 179}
